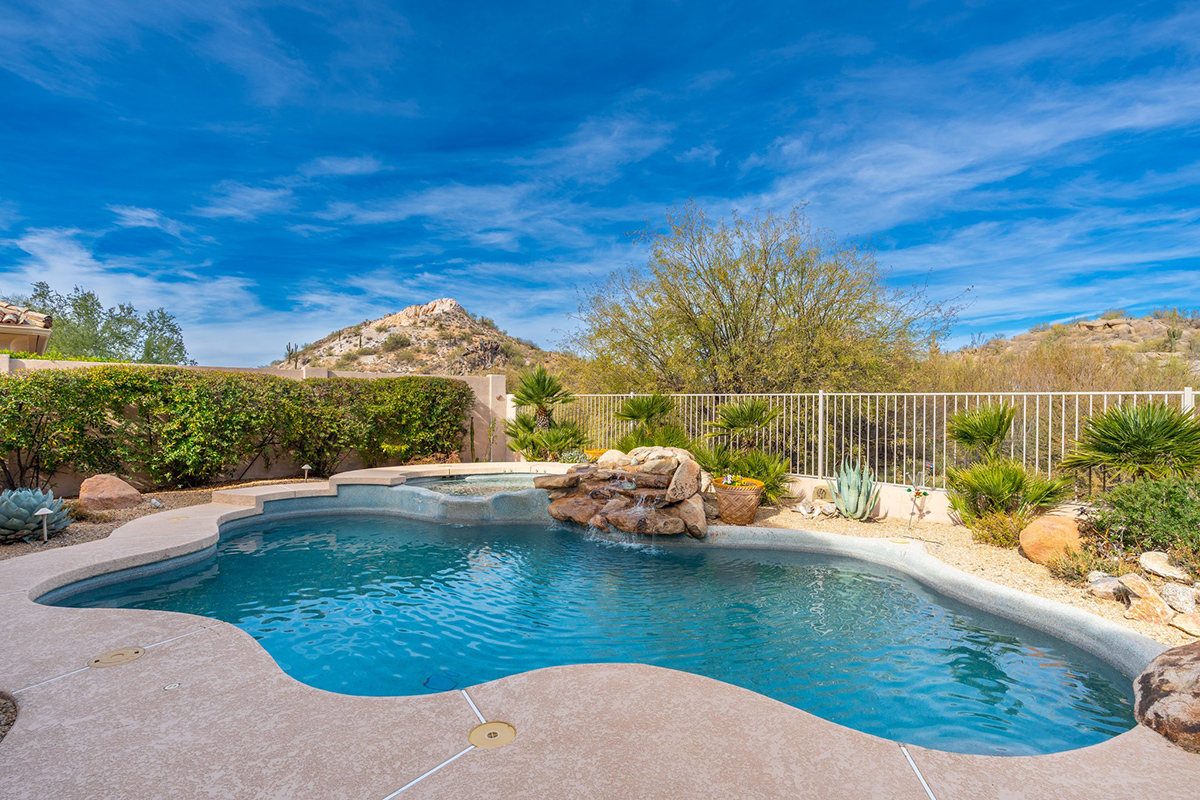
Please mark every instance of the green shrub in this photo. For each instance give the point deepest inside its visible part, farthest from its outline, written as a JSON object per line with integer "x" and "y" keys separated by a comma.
{"x": 771, "y": 469}
{"x": 1146, "y": 515}
{"x": 982, "y": 431}
{"x": 663, "y": 436}
{"x": 1076, "y": 565}
{"x": 543, "y": 444}
{"x": 175, "y": 427}
{"x": 741, "y": 423}
{"x": 394, "y": 342}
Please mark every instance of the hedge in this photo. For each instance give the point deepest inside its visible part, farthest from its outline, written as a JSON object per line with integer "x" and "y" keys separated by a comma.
{"x": 172, "y": 427}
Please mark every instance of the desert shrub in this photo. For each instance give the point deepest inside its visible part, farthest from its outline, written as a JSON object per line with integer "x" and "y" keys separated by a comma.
{"x": 1076, "y": 565}
{"x": 1151, "y": 440}
{"x": 394, "y": 342}
{"x": 997, "y": 498}
{"x": 45, "y": 417}
{"x": 1146, "y": 514}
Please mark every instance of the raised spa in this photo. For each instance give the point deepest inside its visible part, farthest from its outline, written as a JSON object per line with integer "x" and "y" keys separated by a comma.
{"x": 382, "y": 605}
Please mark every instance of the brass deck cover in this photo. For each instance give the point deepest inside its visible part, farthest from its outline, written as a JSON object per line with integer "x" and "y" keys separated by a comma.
{"x": 117, "y": 657}
{"x": 492, "y": 734}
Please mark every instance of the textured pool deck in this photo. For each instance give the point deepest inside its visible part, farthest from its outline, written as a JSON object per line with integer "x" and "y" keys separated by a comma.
{"x": 206, "y": 713}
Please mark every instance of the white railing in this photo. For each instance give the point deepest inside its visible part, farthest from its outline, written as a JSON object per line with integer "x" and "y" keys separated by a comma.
{"x": 901, "y": 436}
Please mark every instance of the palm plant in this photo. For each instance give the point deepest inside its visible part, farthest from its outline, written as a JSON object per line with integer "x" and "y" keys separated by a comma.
{"x": 536, "y": 444}
{"x": 742, "y": 422}
{"x": 541, "y": 391}
{"x": 982, "y": 430}
{"x": 1145, "y": 441}
{"x": 998, "y": 498}
{"x": 771, "y": 469}
{"x": 647, "y": 411}
{"x": 663, "y": 436}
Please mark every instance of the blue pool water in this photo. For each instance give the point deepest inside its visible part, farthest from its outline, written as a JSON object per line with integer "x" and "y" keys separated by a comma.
{"x": 374, "y": 605}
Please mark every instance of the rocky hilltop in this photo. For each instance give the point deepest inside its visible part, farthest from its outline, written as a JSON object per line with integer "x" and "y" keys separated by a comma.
{"x": 1160, "y": 335}
{"x": 437, "y": 338}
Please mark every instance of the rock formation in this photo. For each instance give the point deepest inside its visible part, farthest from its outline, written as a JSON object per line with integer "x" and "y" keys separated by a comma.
{"x": 1167, "y": 696}
{"x": 651, "y": 491}
{"x": 106, "y": 493}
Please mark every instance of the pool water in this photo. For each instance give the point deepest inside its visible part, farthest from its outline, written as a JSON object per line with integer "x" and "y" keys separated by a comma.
{"x": 475, "y": 485}
{"x": 373, "y": 605}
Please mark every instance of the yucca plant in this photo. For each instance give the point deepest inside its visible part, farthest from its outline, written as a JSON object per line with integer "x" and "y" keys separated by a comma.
{"x": 998, "y": 498}
{"x": 647, "y": 411}
{"x": 1144, "y": 441}
{"x": 742, "y": 422}
{"x": 771, "y": 469}
{"x": 540, "y": 391}
{"x": 855, "y": 492}
{"x": 17, "y": 514}
{"x": 982, "y": 431}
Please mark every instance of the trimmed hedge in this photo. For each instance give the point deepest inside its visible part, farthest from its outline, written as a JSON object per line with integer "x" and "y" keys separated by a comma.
{"x": 179, "y": 428}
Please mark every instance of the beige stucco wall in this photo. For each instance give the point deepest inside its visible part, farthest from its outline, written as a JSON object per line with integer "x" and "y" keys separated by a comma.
{"x": 895, "y": 502}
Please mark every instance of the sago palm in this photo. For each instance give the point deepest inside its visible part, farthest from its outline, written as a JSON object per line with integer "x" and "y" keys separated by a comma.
{"x": 541, "y": 391}
{"x": 1153, "y": 441}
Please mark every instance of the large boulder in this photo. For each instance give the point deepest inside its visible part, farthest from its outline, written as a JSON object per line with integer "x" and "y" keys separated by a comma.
{"x": 691, "y": 511}
{"x": 612, "y": 458}
{"x": 645, "y": 520}
{"x": 1159, "y": 564}
{"x": 107, "y": 493}
{"x": 661, "y": 466}
{"x": 1167, "y": 696}
{"x": 1145, "y": 603}
{"x": 685, "y": 482}
{"x": 1048, "y": 538}
{"x": 567, "y": 481}
{"x": 575, "y": 509}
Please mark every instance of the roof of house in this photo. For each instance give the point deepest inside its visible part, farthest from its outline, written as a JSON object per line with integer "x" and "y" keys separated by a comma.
{"x": 15, "y": 315}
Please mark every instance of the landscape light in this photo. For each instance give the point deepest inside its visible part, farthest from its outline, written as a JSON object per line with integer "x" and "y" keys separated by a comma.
{"x": 44, "y": 512}
{"x": 306, "y": 468}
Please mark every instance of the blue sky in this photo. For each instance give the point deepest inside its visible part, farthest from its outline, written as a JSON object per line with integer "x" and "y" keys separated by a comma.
{"x": 271, "y": 171}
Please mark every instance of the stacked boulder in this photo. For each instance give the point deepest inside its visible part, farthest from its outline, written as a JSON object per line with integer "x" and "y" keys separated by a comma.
{"x": 651, "y": 490}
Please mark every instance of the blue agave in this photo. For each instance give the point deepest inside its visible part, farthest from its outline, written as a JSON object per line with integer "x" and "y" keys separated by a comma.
{"x": 17, "y": 520}
{"x": 855, "y": 491}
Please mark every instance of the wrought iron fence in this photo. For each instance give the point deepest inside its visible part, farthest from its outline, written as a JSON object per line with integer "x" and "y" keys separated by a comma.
{"x": 901, "y": 436}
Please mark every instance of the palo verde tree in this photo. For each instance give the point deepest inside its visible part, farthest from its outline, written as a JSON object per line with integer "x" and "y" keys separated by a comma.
{"x": 748, "y": 305}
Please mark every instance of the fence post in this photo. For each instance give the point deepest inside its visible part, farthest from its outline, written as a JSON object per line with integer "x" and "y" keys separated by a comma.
{"x": 820, "y": 434}
{"x": 1189, "y": 399}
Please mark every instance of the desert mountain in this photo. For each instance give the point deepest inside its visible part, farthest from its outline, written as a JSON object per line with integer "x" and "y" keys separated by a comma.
{"x": 437, "y": 338}
{"x": 1162, "y": 335}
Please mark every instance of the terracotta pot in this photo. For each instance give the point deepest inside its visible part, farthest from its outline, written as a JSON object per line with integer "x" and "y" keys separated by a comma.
{"x": 737, "y": 505}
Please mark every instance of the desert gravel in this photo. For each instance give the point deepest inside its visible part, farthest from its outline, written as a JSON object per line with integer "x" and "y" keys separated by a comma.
{"x": 953, "y": 544}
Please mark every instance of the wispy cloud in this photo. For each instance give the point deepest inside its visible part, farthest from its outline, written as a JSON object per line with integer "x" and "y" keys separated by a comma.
{"x": 342, "y": 165}
{"x": 245, "y": 203}
{"x": 134, "y": 217}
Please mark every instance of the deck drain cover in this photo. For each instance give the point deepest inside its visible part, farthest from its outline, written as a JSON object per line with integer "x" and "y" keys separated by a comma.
{"x": 117, "y": 657}
{"x": 492, "y": 734}
{"x": 900, "y": 540}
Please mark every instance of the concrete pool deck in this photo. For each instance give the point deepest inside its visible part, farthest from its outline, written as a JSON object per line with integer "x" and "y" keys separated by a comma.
{"x": 205, "y": 711}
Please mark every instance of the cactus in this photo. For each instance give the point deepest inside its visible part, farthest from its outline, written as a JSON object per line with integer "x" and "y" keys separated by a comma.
{"x": 854, "y": 492}
{"x": 17, "y": 520}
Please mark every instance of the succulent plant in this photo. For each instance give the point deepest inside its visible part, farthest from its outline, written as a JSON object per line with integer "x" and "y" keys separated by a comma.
{"x": 17, "y": 514}
{"x": 854, "y": 491}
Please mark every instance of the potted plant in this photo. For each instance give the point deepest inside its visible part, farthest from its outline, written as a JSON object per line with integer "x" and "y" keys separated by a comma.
{"x": 737, "y": 498}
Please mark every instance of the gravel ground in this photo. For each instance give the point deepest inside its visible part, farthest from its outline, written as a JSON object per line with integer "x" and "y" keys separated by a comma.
{"x": 99, "y": 524}
{"x": 953, "y": 544}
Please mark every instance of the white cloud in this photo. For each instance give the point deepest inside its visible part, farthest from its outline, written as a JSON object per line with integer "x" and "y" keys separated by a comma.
{"x": 134, "y": 217}
{"x": 599, "y": 148}
{"x": 238, "y": 201}
{"x": 342, "y": 165}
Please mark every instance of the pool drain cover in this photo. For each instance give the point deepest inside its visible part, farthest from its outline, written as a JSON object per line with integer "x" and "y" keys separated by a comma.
{"x": 117, "y": 657}
{"x": 492, "y": 734}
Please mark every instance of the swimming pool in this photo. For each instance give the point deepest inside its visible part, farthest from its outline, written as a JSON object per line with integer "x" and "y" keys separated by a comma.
{"x": 381, "y": 605}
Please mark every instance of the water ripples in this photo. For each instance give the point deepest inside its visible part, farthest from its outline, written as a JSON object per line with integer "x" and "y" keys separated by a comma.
{"x": 380, "y": 606}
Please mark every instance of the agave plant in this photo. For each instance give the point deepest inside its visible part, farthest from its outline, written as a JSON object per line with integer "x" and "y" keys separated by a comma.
{"x": 854, "y": 491}
{"x": 541, "y": 391}
{"x": 742, "y": 422}
{"x": 1151, "y": 441}
{"x": 982, "y": 430}
{"x": 17, "y": 514}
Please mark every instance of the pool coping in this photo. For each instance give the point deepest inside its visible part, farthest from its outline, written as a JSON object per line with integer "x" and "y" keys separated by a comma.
{"x": 47, "y": 660}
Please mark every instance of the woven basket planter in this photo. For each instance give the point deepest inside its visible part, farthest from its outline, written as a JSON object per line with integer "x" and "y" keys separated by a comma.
{"x": 738, "y": 504}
